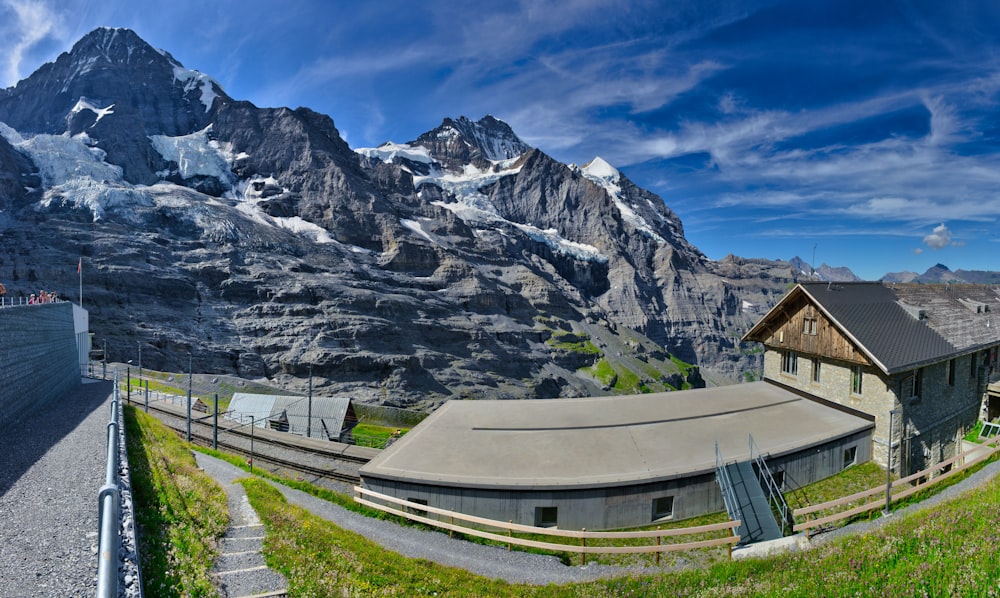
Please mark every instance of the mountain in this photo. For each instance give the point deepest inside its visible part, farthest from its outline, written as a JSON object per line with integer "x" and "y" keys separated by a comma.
{"x": 824, "y": 272}
{"x": 461, "y": 264}
{"x": 941, "y": 274}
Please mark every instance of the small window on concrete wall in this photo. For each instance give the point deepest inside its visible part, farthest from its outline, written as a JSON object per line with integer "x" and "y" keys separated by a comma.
{"x": 816, "y": 367}
{"x": 663, "y": 507}
{"x": 850, "y": 456}
{"x": 419, "y": 512}
{"x": 546, "y": 516}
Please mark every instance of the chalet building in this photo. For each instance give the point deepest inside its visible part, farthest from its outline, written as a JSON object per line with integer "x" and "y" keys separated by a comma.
{"x": 918, "y": 357}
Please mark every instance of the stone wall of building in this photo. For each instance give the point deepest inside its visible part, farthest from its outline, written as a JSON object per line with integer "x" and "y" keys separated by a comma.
{"x": 926, "y": 430}
{"x": 38, "y": 353}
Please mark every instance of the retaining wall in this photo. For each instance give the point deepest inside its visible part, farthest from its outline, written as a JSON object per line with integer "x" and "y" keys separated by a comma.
{"x": 39, "y": 360}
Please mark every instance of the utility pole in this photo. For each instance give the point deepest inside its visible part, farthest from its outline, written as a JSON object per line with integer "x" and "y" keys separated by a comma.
{"x": 309, "y": 415}
{"x": 139, "y": 344}
{"x": 888, "y": 466}
{"x": 190, "y": 377}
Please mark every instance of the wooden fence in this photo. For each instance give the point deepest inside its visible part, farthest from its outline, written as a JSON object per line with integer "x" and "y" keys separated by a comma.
{"x": 874, "y": 498}
{"x": 412, "y": 510}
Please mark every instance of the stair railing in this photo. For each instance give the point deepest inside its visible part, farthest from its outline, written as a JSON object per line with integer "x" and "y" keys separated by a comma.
{"x": 774, "y": 495}
{"x": 726, "y": 484}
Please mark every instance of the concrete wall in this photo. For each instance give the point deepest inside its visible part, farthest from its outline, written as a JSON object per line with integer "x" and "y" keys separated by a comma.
{"x": 928, "y": 426}
{"x": 39, "y": 357}
{"x": 626, "y": 505}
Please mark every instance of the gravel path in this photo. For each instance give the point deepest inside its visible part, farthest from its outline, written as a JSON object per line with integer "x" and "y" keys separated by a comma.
{"x": 489, "y": 561}
{"x": 52, "y": 465}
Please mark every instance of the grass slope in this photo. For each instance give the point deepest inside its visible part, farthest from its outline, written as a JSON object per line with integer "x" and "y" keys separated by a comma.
{"x": 949, "y": 550}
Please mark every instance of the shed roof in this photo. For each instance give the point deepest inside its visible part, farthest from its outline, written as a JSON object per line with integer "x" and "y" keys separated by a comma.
{"x": 880, "y": 318}
{"x": 328, "y": 412}
{"x": 605, "y": 441}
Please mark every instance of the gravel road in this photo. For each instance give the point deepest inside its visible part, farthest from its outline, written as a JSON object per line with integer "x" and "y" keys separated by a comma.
{"x": 52, "y": 465}
{"x": 489, "y": 561}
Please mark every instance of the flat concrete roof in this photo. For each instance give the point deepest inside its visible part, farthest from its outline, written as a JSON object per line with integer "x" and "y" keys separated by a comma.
{"x": 605, "y": 441}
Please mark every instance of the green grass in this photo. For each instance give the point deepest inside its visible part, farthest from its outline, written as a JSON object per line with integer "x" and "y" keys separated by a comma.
{"x": 573, "y": 343}
{"x": 180, "y": 511}
{"x": 973, "y": 435}
{"x": 949, "y": 550}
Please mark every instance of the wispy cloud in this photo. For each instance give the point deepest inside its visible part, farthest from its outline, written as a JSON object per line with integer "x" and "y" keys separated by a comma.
{"x": 26, "y": 23}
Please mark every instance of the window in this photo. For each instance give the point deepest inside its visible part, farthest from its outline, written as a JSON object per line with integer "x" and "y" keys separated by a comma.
{"x": 663, "y": 507}
{"x": 809, "y": 326}
{"x": 816, "y": 366}
{"x": 850, "y": 456}
{"x": 912, "y": 385}
{"x": 951, "y": 372}
{"x": 789, "y": 363}
{"x": 418, "y": 512}
{"x": 856, "y": 379}
{"x": 546, "y": 516}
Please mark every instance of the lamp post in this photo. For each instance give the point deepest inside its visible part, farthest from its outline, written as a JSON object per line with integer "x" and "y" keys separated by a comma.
{"x": 190, "y": 376}
{"x": 888, "y": 465}
{"x": 139, "y": 344}
{"x": 104, "y": 369}
{"x": 309, "y": 413}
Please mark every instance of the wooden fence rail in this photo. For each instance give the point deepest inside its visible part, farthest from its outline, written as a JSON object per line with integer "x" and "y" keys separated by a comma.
{"x": 957, "y": 464}
{"x": 582, "y": 535}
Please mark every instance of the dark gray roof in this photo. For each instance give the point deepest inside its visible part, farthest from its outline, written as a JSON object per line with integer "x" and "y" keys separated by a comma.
{"x": 326, "y": 411}
{"x": 606, "y": 441}
{"x": 882, "y": 319}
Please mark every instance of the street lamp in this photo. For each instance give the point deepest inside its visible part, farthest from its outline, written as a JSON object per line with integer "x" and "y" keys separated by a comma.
{"x": 888, "y": 465}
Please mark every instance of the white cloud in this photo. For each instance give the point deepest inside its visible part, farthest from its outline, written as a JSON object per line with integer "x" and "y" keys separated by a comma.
{"x": 28, "y": 22}
{"x": 939, "y": 239}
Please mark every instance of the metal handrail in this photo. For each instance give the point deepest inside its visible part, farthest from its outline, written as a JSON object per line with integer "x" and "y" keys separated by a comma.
{"x": 109, "y": 517}
{"x": 726, "y": 484}
{"x": 774, "y": 495}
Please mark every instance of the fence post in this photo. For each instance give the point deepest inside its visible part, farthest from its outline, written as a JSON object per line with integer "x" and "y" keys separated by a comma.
{"x": 147, "y": 395}
{"x": 215, "y": 424}
{"x": 509, "y": 532}
{"x": 583, "y": 544}
{"x": 658, "y": 540}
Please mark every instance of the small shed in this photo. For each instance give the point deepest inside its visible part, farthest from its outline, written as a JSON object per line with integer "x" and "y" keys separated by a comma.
{"x": 333, "y": 418}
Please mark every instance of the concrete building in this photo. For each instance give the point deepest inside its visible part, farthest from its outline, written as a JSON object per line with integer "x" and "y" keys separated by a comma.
{"x": 612, "y": 462}
{"x": 918, "y": 357}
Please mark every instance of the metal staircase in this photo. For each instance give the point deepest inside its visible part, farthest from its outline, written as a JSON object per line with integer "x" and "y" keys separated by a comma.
{"x": 749, "y": 490}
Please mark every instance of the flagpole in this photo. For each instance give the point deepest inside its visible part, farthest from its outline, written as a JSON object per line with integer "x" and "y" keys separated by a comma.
{"x": 79, "y": 270}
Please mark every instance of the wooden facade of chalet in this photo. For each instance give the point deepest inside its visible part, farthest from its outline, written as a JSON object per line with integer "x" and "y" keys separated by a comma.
{"x": 924, "y": 353}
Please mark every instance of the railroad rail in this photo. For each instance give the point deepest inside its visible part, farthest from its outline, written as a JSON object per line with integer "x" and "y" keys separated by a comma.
{"x": 313, "y": 459}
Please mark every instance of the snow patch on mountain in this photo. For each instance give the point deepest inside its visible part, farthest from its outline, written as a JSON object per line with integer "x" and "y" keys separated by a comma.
{"x": 196, "y": 154}
{"x": 416, "y": 227}
{"x": 192, "y": 79}
{"x": 61, "y": 158}
{"x": 82, "y": 104}
{"x": 97, "y": 197}
{"x": 389, "y": 151}
{"x": 608, "y": 177}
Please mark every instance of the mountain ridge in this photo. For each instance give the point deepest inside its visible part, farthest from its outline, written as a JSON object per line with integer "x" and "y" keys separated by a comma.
{"x": 462, "y": 264}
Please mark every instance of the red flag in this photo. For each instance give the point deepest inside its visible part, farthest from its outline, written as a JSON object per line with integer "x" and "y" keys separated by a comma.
{"x": 79, "y": 265}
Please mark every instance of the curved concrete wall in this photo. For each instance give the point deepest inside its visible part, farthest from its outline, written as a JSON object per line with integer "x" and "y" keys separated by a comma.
{"x": 39, "y": 360}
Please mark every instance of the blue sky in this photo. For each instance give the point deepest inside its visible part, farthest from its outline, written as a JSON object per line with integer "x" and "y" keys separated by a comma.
{"x": 866, "y": 132}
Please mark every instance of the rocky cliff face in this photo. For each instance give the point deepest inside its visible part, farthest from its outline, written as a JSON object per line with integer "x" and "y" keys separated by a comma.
{"x": 461, "y": 264}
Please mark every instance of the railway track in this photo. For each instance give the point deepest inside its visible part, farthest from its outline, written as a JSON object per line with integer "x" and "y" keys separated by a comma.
{"x": 307, "y": 459}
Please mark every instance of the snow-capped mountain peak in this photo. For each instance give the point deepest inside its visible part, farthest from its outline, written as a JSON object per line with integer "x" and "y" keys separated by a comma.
{"x": 599, "y": 169}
